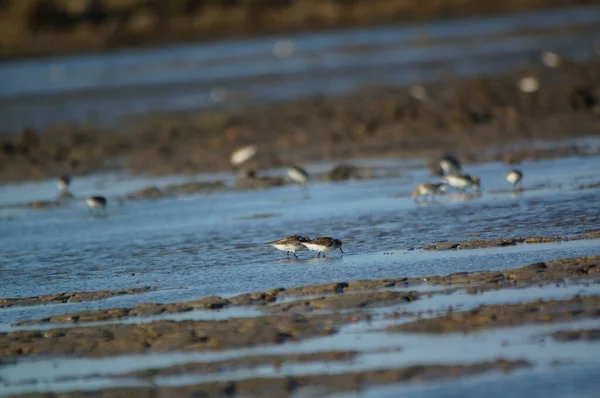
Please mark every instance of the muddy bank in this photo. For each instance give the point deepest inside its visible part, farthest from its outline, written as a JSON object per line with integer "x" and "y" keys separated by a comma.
{"x": 69, "y": 297}
{"x": 590, "y": 186}
{"x": 341, "y": 172}
{"x": 462, "y": 115}
{"x": 46, "y": 27}
{"x": 261, "y": 299}
{"x": 309, "y": 385}
{"x": 478, "y": 243}
{"x": 188, "y": 188}
{"x": 344, "y": 302}
{"x": 549, "y": 272}
{"x": 506, "y": 315}
{"x": 355, "y": 295}
{"x": 161, "y": 336}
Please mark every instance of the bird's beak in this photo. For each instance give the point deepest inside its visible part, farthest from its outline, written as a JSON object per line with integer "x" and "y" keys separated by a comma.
{"x": 341, "y": 250}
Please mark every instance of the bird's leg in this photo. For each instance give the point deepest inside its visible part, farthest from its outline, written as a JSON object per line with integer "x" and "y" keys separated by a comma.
{"x": 294, "y": 253}
{"x": 287, "y": 254}
{"x": 319, "y": 255}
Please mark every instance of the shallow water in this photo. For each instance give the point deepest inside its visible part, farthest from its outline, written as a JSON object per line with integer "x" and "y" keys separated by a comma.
{"x": 561, "y": 381}
{"x": 100, "y": 88}
{"x": 212, "y": 244}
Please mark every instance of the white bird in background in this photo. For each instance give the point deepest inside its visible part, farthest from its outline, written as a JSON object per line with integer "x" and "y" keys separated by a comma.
{"x": 63, "y": 183}
{"x": 529, "y": 84}
{"x": 96, "y": 203}
{"x": 242, "y": 155}
{"x": 550, "y": 59}
{"x": 514, "y": 177}
{"x": 298, "y": 175}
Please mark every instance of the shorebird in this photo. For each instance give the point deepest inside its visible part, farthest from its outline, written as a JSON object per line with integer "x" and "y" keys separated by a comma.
{"x": 514, "y": 177}
{"x": 246, "y": 174}
{"x": 529, "y": 84}
{"x": 290, "y": 244}
{"x": 550, "y": 59}
{"x": 428, "y": 191}
{"x": 462, "y": 181}
{"x": 323, "y": 245}
{"x": 63, "y": 183}
{"x": 96, "y": 202}
{"x": 242, "y": 155}
{"x": 450, "y": 164}
{"x": 298, "y": 175}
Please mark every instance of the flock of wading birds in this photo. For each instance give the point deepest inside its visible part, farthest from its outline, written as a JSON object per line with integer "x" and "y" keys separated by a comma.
{"x": 450, "y": 167}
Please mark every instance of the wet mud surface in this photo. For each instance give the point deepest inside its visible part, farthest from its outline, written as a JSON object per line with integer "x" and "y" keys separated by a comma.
{"x": 501, "y": 242}
{"x": 294, "y": 320}
{"x": 507, "y": 315}
{"x": 362, "y": 294}
{"x": 313, "y": 385}
{"x": 289, "y": 317}
{"x": 167, "y": 335}
{"x": 461, "y": 114}
{"x": 69, "y": 297}
{"x": 575, "y": 335}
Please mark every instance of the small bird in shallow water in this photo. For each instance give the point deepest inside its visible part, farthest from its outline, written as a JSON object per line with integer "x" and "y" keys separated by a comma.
{"x": 96, "y": 202}
{"x": 428, "y": 191}
{"x": 63, "y": 183}
{"x": 323, "y": 245}
{"x": 450, "y": 164}
{"x": 298, "y": 174}
{"x": 463, "y": 181}
{"x": 514, "y": 177}
{"x": 290, "y": 244}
